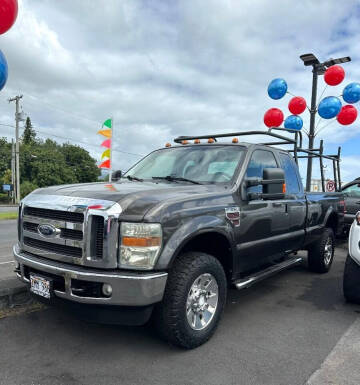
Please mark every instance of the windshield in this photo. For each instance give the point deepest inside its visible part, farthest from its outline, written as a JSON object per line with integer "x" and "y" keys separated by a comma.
{"x": 203, "y": 164}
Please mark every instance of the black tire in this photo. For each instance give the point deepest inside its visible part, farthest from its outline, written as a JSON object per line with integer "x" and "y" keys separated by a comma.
{"x": 351, "y": 282}
{"x": 171, "y": 314}
{"x": 318, "y": 259}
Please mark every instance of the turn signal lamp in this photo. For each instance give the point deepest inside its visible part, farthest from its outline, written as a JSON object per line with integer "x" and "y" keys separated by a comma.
{"x": 168, "y": 145}
{"x": 235, "y": 140}
{"x": 357, "y": 217}
{"x": 184, "y": 142}
{"x": 197, "y": 141}
{"x": 284, "y": 188}
{"x": 211, "y": 140}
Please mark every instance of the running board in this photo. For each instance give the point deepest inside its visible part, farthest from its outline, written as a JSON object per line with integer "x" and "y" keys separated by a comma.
{"x": 259, "y": 276}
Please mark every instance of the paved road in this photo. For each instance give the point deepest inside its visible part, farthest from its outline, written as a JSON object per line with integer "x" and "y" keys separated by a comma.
{"x": 8, "y": 236}
{"x": 278, "y": 332}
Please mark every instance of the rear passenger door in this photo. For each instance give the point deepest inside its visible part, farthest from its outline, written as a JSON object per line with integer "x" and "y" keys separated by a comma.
{"x": 295, "y": 202}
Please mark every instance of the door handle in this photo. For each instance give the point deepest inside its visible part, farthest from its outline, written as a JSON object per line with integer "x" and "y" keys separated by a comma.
{"x": 278, "y": 204}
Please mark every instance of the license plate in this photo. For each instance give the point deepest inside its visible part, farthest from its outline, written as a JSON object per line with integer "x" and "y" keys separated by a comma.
{"x": 40, "y": 286}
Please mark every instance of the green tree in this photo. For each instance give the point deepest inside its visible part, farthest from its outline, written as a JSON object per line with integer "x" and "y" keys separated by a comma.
{"x": 81, "y": 163}
{"x": 29, "y": 135}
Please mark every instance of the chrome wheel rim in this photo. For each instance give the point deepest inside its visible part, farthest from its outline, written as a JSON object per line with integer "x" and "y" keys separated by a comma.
{"x": 202, "y": 301}
{"x": 328, "y": 251}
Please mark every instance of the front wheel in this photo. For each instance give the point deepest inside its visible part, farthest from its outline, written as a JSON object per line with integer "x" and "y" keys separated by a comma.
{"x": 194, "y": 300}
{"x": 351, "y": 283}
{"x": 321, "y": 254}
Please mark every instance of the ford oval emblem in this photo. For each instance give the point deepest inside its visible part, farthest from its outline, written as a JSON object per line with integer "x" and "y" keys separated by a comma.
{"x": 48, "y": 231}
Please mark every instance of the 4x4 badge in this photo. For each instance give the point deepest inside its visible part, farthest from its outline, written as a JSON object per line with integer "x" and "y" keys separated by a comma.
{"x": 233, "y": 215}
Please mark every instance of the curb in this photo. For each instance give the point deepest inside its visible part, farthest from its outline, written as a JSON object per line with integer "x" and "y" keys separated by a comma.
{"x": 13, "y": 293}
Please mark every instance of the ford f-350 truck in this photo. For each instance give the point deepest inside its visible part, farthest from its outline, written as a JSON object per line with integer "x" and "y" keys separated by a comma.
{"x": 173, "y": 234}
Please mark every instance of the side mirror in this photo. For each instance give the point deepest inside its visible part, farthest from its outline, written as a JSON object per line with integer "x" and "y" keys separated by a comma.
{"x": 116, "y": 175}
{"x": 273, "y": 183}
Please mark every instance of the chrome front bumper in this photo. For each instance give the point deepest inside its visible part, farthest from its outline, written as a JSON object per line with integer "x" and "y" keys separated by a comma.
{"x": 129, "y": 288}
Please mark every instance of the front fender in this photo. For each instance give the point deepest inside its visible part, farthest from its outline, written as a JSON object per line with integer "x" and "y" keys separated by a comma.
{"x": 188, "y": 231}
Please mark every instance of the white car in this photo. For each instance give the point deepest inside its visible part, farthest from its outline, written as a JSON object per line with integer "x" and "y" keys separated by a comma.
{"x": 352, "y": 265}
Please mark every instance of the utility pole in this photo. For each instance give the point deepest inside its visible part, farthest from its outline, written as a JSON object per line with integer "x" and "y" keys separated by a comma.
{"x": 310, "y": 59}
{"x": 13, "y": 169}
{"x": 16, "y": 99}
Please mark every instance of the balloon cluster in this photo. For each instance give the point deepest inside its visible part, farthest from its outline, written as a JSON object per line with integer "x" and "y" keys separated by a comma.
{"x": 8, "y": 14}
{"x": 274, "y": 117}
{"x": 329, "y": 107}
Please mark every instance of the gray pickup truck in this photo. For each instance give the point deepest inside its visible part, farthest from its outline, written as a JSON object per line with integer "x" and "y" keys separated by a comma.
{"x": 173, "y": 234}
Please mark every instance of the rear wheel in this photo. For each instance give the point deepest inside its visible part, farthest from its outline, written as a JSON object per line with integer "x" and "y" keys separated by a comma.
{"x": 194, "y": 300}
{"x": 321, "y": 253}
{"x": 351, "y": 283}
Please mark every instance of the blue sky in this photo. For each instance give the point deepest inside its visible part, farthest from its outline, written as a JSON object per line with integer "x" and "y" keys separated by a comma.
{"x": 164, "y": 69}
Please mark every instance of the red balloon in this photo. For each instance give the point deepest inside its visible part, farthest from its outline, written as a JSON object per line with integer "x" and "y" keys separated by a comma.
{"x": 297, "y": 105}
{"x": 334, "y": 75}
{"x": 347, "y": 115}
{"x": 273, "y": 117}
{"x": 8, "y": 14}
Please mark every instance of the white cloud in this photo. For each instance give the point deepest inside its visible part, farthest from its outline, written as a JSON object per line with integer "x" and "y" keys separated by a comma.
{"x": 164, "y": 69}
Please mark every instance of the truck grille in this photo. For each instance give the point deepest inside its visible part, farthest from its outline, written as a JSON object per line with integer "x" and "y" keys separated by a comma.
{"x": 98, "y": 238}
{"x": 68, "y": 216}
{"x": 54, "y": 247}
{"x": 74, "y": 230}
{"x": 65, "y": 233}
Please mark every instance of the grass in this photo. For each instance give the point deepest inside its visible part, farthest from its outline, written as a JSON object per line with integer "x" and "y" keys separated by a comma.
{"x": 10, "y": 215}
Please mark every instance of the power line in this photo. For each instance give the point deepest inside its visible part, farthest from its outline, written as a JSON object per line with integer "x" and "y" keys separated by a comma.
{"x": 75, "y": 140}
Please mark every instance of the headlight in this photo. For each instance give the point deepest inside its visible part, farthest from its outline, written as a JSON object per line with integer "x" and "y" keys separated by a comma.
{"x": 140, "y": 245}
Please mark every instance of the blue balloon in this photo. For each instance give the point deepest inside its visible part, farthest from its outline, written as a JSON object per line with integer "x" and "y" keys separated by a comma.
{"x": 329, "y": 107}
{"x": 277, "y": 88}
{"x": 351, "y": 93}
{"x": 293, "y": 122}
{"x": 3, "y": 70}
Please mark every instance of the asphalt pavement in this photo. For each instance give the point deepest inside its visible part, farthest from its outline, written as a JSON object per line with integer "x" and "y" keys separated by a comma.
{"x": 286, "y": 330}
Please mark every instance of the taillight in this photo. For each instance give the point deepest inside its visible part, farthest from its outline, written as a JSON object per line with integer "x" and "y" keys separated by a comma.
{"x": 343, "y": 204}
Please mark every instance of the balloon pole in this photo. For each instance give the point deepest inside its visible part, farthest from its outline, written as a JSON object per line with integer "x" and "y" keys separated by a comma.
{"x": 312, "y": 126}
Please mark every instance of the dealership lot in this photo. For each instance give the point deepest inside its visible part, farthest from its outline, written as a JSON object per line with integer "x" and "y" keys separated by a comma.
{"x": 278, "y": 332}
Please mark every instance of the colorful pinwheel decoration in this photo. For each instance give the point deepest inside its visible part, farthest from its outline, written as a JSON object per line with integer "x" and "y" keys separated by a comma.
{"x": 330, "y": 107}
{"x": 107, "y": 132}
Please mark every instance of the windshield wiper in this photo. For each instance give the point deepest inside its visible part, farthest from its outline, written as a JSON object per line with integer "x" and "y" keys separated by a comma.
{"x": 175, "y": 179}
{"x": 134, "y": 178}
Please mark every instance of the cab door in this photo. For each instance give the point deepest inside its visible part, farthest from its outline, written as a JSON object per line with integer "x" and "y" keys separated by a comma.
{"x": 263, "y": 223}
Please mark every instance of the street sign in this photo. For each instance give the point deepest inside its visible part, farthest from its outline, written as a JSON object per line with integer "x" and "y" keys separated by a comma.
{"x": 8, "y": 187}
{"x": 330, "y": 186}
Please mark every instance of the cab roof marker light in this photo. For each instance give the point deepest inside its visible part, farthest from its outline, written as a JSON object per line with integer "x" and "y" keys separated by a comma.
{"x": 197, "y": 141}
{"x": 235, "y": 140}
{"x": 211, "y": 140}
{"x": 184, "y": 142}
{"x": 168, "y": 145}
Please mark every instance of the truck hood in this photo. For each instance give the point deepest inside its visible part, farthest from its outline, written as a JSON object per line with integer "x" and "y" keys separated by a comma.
{"x": 135, "y": 198}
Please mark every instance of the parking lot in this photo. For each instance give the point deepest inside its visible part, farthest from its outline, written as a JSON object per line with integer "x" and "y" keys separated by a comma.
{"x": 278, "y": 332}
